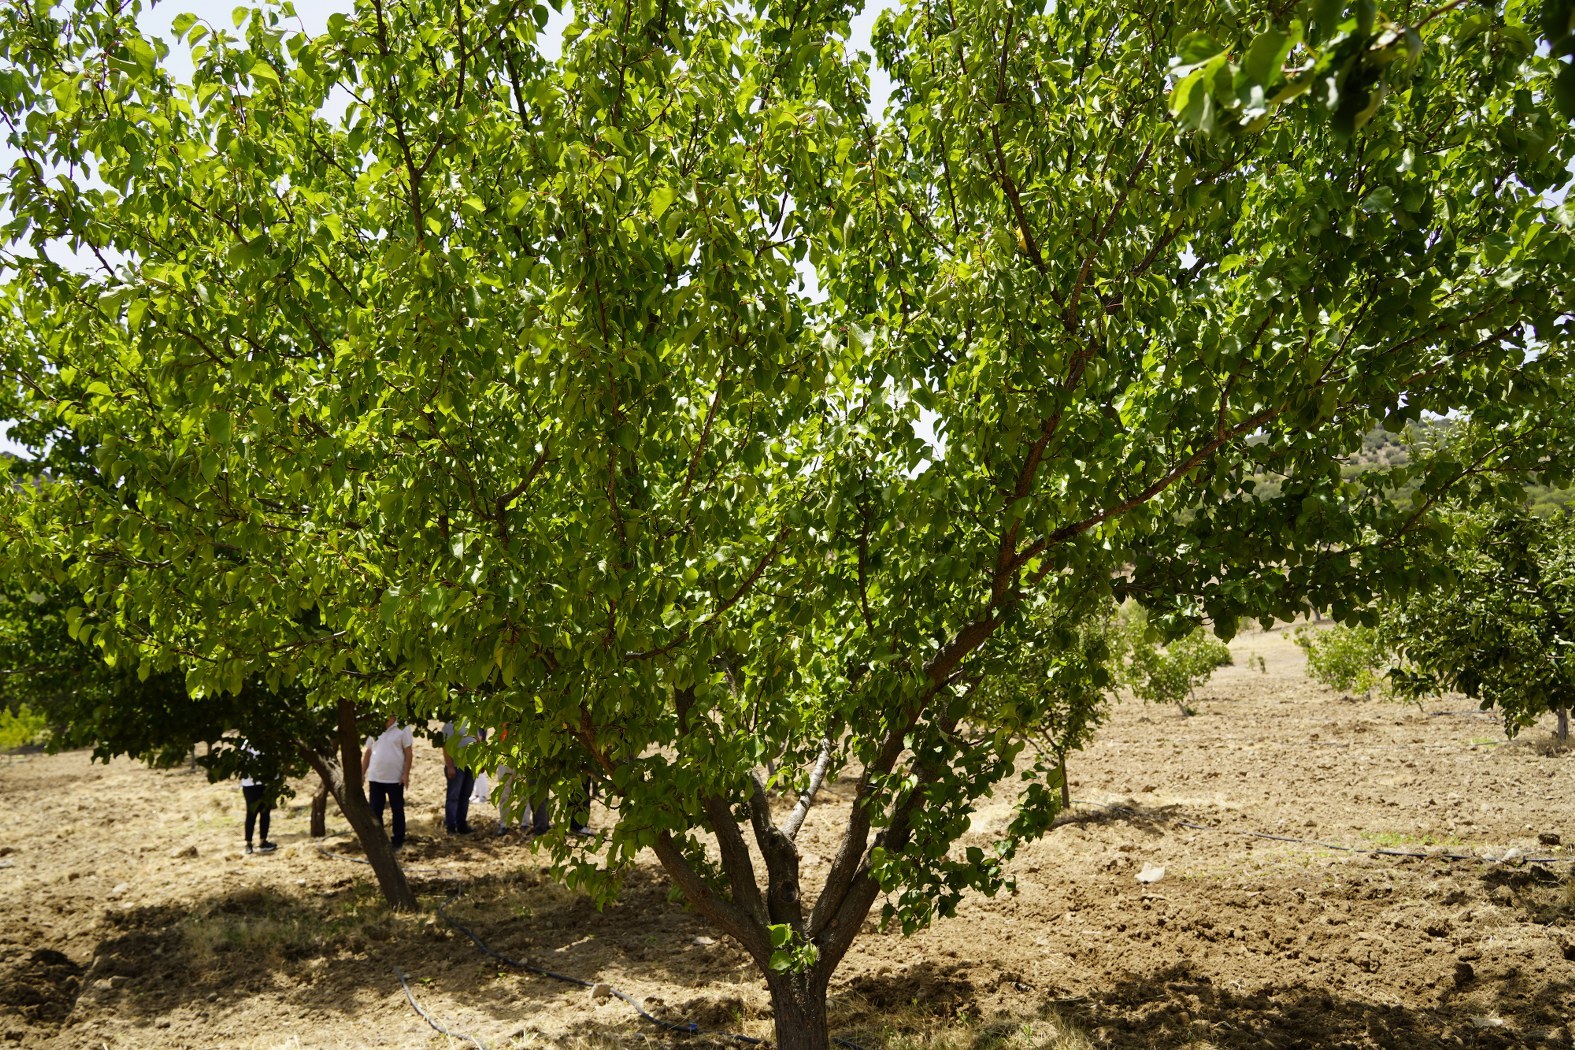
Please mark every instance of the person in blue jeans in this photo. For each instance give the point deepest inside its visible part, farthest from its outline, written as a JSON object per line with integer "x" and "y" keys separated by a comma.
{"x": 461, "y": 779}
{"x": 385, "y": 767}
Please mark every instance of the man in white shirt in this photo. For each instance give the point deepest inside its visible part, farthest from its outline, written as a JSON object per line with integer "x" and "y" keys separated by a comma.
{"x": 385, "y": 766}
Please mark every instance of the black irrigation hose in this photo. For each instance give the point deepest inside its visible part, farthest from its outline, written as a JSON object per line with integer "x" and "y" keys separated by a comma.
{"x": 1314, "y": 842}
{"x": 686, "y": 1027}
{"x": 405, "y": 984}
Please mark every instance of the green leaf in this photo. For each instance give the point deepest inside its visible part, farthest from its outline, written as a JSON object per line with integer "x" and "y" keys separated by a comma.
{"x": 661, "y": 199}
{"x": 1266, "y": 55}
{"x": 1563, "y": 90}
{"x": 1379, "y": 201}
{"x": 1194, "y": 50}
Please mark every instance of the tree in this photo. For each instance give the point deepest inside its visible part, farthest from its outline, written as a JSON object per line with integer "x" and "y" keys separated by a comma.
{"x": 1502, "y": 628}
{"x": 50, "y": 668}
{"x": 1169, "y": 673}
{"x": 503, "y": 389}
{"x": 1347, "y": 659}
{"x": 1051, "y": 681}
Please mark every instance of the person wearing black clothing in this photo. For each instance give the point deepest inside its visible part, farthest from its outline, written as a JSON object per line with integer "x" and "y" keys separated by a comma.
{"x": 259, "y": 790}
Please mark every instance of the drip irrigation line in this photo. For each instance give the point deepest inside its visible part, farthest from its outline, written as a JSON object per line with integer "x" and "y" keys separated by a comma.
{"x": 685, "y": 1027}
{"x": 1379, "y": 852}
{"x": 405, "y": 984}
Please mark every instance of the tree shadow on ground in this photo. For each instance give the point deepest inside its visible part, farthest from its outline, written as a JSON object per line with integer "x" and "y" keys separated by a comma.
{"x": 1151, "y": 820}
{"x": 336, "y": 951}
{"x": 1175, "y": 1007}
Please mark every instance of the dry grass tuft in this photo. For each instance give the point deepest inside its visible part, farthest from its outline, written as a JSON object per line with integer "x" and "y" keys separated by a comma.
{"x": 265, "y": 929}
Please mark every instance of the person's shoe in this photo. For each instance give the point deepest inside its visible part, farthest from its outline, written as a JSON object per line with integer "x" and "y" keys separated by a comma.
{"x": 582, "y": 831}
{"x": 248, "y": 848}
{"x": 266, "y": 847}
{"x": 465, "y": 829}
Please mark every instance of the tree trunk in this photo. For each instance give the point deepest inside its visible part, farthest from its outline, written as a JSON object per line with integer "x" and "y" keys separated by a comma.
{"x": 798, "y": 1005}
{"x": 1563, "y": 729}
{"x": 343, "y": 778}
{"x": 319, "y": 828}
{"x": 1066, "y": 787}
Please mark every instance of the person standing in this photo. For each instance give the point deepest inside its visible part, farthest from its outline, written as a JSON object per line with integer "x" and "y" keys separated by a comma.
{"x": 385, "y": 767}
{"x": 259, "y": 789}
{"x": 461, "y": 779}
{"x": 533, "y": 818}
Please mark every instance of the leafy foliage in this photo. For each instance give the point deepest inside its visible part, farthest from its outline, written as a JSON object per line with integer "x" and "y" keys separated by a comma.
{"x": 1503, "y": 628}
{"x": 20, "y": 726}
{"x": 1347, "y": 659}
{"x": 1343, "y": 60}
{"x": 1168, "y": 673}
{"x": 502, "y": 389}
{"x": 82, "y": 701}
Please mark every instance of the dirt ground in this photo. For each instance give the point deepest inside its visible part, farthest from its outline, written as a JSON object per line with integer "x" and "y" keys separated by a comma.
{"x": 129, "y": 917}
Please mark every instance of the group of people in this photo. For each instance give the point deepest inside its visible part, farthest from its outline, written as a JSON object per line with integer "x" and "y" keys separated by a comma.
{"x": 386, "y": 760}
{"x": 385, "y": 766}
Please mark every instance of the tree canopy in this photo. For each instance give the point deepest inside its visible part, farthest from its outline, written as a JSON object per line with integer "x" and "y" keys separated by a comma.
{"x": 660, "y": 399}
{"x": 1502, "y": 627}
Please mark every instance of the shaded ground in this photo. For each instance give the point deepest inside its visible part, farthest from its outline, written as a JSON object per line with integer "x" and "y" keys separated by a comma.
{"x": 130, "y": 918}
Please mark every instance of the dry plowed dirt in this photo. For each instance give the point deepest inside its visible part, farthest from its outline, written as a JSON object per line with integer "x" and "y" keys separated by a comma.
{"x": 1334, "y": 876}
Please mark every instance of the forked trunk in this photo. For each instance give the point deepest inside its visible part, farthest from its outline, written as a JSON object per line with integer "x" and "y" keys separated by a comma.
{"x": 319, "y": 826}
{"x": 798, "y": 1004}
{"x": 343, "y": 779}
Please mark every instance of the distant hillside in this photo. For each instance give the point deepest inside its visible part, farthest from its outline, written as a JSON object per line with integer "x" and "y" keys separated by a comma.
{"x": 1384, "y": 451}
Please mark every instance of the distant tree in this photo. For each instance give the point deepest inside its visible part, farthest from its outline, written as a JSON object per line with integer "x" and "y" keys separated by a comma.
{"x": 1502, "y": 629}
{"x": 1352, "y": 659}
{"x": 1161, "y": 672}
{"x": 1049, "y": 685}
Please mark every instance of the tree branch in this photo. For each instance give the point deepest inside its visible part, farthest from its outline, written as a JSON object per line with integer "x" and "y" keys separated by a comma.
{"x": 795, "y": 819}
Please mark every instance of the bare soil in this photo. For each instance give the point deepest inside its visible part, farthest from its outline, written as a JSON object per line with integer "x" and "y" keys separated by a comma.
{"x": 1334, "y": 876}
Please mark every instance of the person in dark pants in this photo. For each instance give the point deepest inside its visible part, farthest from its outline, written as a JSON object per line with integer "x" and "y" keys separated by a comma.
{"x": 385, "y": 766}
{"x": 259, "y": 789}
{"x": 461, "y": 779}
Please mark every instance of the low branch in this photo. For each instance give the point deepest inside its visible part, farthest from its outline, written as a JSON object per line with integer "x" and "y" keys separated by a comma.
{"x": 729, "y": 917}
{"x": 795, "y": 819}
